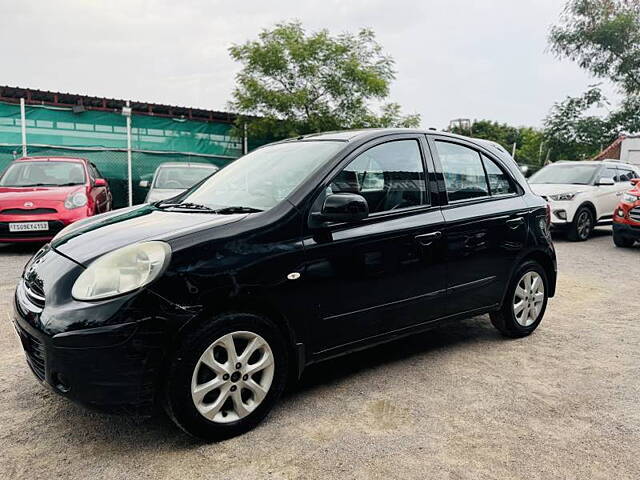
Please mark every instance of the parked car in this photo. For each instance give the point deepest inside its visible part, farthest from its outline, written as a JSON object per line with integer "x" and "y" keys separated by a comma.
{"x": 626, "y": 217}
{"x": 582, "y": 195}
{"x": 298, "y": 252}
{"x": 173, "y": 178}
{"x": 39, "y": 196}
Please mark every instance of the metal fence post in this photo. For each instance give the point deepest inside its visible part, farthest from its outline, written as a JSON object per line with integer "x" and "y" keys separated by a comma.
{"x": 23, "y": 126}
{"x": 127, "y": 113}
{"x": 245, "y": 140}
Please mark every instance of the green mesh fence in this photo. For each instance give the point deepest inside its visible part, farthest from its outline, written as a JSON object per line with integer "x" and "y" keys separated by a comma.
{"x": 101, "y": 137}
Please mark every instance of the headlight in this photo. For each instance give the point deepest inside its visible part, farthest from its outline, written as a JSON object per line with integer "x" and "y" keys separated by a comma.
{"x": 563, "y": 196}
{"x": 122, "y": 271}
{"x": 75, "y": 200}
{"x": 630, "y": 197}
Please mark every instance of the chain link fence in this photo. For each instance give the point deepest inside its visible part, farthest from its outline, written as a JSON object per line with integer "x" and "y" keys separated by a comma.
{"x": 101, "y": 137}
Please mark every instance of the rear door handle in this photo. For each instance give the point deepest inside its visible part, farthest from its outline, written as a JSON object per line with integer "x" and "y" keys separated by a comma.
{"x": 427, "y": 239}
{"x": 515, "y": 222}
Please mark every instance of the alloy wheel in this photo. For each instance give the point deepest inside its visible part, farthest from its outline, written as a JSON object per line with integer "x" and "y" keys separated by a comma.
{"x": 232, "y": 377}
{"x": 528, "y": 298}
{"x": 584, "y": 225}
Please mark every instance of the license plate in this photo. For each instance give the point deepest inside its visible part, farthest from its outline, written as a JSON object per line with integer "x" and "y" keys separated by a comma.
{"x": 29, "y": 227}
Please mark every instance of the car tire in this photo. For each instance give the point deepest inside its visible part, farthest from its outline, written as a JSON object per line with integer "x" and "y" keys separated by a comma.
{"x": 621, "y": 241}
{"x": 204, "y": 359}
{"x": 582, "y": 225}
{"x": 529, "y": 280}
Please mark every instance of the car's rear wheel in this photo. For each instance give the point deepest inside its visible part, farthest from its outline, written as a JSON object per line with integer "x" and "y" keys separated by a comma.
{"x": 525, "y": 302}
{"x": 582, "y": 225}
{"x": 226, "y": 376}
{"x": 622, "y": 241}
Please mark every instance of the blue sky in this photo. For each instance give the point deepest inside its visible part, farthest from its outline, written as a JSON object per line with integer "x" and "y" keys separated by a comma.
{"x": 455, "y": 58}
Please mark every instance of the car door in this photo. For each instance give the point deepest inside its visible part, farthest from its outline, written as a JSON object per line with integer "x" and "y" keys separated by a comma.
{"x": 607, "y": 196}
{"x": 387, "y": 272}
{"x": 101, "y": 193}
{"x": 486, "y": 227}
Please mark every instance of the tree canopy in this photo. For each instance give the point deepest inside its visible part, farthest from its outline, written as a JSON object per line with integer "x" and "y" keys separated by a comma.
{"x": 602, "y": 37}
{"x": 295, "y": 82}
{"x": 527, "y": 139}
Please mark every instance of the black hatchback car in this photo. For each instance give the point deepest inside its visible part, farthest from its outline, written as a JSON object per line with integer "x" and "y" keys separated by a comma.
{"x": 300, "y": 251}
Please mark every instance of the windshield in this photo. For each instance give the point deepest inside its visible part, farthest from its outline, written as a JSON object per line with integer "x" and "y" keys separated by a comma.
{"x": 43, "y": 174}
{"x": 181, "y": 177}
{"x": 565, "y": 173}
{"x": 264, "y": 177}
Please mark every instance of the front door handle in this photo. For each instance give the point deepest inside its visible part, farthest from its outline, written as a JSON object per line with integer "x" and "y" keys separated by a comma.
{"x": 515, "y": 222}
{"x": 427, "y": 239}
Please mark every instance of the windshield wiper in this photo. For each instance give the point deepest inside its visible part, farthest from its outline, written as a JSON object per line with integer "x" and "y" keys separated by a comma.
{"x": 237, "y": 209}
{"x": 186, "y": 206}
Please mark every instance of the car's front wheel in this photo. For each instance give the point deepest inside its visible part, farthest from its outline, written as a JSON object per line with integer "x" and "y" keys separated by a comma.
{"x": 622, "y": 241}
{"x": 582, "y": 225}
{"x": 226, "y": 376}
{"x": 525, "y": 302}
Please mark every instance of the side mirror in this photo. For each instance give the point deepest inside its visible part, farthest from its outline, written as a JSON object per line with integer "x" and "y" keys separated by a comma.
{"x": 100, "y": 182}
{"x": 605, "y": 181}
{"x": 144, "y": 183}
{"x": 635, "y": 181}
{"x": 344, "y": 207}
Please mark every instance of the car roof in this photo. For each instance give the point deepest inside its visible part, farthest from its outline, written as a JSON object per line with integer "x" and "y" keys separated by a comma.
{"x": 608, "y": 163}
{"x": 51, "y": 159}
{"x": 351, "y": 135}
{"x": 188, "y": 164}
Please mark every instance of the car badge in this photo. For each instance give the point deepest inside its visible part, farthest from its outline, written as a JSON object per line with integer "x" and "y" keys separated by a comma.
{"x": 28, "y": 204}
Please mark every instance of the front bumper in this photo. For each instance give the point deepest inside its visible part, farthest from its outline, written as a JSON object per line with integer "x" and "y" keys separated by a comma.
{"x": 56, "y": 222}
{"x": 627, "y": 230}
{"x": 106, "y": 355}
{"x": 114, "y": 371}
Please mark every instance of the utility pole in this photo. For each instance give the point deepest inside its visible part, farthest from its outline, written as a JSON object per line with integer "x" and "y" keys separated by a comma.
{"x": 126, "y": 111}
{"x": 23, "y": 127}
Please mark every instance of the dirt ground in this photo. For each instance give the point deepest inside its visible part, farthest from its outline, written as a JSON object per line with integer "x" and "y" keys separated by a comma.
{"x": 458, "y": 402}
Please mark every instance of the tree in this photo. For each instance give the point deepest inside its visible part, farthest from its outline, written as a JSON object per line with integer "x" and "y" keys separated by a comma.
{"x": 603, "y": 37}
{"x": 293, "y": 82}
{"x": 571, "y": 133}
{"x": 527, "y": 139}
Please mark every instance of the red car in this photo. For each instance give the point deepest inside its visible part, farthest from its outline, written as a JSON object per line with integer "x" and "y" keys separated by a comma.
{"x": 626, "y": 217}
{"x": 39, "y": 196}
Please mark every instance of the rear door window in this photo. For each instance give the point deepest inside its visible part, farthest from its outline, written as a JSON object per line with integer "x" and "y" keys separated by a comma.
{"x": 464, "y": 174}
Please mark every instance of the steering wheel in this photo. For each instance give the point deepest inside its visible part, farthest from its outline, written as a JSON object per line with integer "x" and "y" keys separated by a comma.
{"x": 174, "y": 184}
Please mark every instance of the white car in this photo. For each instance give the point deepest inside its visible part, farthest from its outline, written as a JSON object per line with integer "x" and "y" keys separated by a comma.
{"x": 582, "y": 195}
{"x": 173, "y": 178}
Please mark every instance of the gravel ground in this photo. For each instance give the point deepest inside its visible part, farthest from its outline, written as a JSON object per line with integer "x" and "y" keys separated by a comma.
{"x": 458, "y": 402}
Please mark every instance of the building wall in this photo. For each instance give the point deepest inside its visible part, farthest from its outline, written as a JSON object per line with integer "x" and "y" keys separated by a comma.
{"x": 630, "y": 150}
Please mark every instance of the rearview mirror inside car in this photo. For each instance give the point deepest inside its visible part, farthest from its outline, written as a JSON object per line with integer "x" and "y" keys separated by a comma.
{"x": 605, "y": 181}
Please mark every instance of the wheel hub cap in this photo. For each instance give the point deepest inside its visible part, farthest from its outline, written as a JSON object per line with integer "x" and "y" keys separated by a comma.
{"x": 232, "y": 377}
{"x": 528, "y": 298}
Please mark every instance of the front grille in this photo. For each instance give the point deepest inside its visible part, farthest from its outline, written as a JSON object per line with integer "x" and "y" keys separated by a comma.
{"x": 25, "y": 211}
{"x": 35, "y": 351}
{"x": 634, "y": 214}
{"x": 54, "y": 227}
{"x": 34, "y": 292}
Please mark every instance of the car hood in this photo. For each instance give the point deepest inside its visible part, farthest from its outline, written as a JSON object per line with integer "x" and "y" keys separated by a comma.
{"x": 90, "y": 238}
{"x": 547, "y": 189}
{"x": 19, "y": 195}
